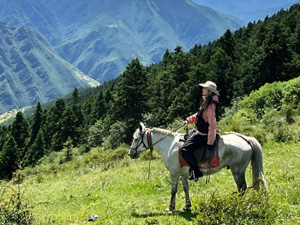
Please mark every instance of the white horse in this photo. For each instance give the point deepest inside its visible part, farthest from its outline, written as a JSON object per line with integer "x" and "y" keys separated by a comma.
{"x": 235, "y": 152}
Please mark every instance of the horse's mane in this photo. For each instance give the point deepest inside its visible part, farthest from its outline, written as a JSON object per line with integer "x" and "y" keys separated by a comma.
{"x": 163, "y": 131}
{"x": 158, "y": 130}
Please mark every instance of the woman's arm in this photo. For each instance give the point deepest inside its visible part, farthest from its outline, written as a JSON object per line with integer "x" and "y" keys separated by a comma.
{"x": 212, "y": 124}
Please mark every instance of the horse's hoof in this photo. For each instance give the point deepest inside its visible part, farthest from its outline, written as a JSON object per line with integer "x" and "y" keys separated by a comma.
{"x": 93, "y": 217}
{"x": 187, "y": 208}
{"x": 169, "y": 209}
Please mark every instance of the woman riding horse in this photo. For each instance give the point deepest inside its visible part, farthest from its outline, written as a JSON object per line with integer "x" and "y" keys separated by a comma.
{"x": 205, "y": 129}
{"x": 235, "y": 151}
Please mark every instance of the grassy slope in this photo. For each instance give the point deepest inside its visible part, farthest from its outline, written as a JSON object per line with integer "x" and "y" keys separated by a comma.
{"x": 121, "y": 193}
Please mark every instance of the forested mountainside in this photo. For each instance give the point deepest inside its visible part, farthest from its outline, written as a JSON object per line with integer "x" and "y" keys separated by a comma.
{"x": 249, "y": 11}
{"x": 101, "y": 37}
{"x": 239, "y": 63}
{"x": 31, "y": 71}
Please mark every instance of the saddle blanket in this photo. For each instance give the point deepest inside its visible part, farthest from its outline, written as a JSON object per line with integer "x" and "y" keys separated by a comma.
{"x": 214, "y": 162}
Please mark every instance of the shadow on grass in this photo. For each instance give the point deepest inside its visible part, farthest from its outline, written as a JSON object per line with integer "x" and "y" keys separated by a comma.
{"x": 187, "y": 215}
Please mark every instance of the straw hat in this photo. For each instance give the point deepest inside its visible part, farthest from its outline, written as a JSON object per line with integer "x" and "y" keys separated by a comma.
{"x": 211, "y": 86}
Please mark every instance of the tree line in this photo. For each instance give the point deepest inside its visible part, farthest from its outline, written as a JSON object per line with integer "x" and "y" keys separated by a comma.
{"x": 239, "y": 63}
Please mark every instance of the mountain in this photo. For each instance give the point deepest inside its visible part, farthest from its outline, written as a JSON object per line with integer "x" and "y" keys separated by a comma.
{"x": 31, "y": 71}
{"x": 101, "y": 37}
{"x": 239, "y": 62}
{"x": 248, "y": 10}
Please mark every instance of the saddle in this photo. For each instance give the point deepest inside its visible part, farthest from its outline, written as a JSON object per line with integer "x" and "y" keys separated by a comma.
{"x": 205, "y": 158}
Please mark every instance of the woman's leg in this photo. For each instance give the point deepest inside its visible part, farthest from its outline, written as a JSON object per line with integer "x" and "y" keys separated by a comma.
{"x": 190, "y": 159}
{"x": 190, "y": 145}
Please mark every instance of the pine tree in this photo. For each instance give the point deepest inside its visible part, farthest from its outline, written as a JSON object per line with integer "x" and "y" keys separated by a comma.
{"x": 131, "y": 96}
{"x": 37, "y": 123}
{"x": 180, "y": 67}
{"x": 68, "y": 124}
{"x": 36, "y": 151}
{"x": 19, "y": 131}
{"x": 99, "y": 107}
{"x": 167, "y": 58}
{"x": 226, "y": 42}
{"x": 51, "y": 125}
{"x": 178, "y": 50}
{"x": 182, "y": 103}
{"x": 58, "y": 110}
{"x": 277, "y": 55}
{"x": 78, "y": 118}
{"x": 3, "y": 136}
{"x": 68, "y": 151}
{"x": 75, "y": 96}
{"x": 9, "y": 158}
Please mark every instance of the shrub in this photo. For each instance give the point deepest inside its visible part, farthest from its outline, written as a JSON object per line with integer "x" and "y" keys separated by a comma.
{"x": 285, "y": 134}
{"x": 268, "y": 96}
{"x": 292, "y": 91}
{"x": 240, "y": 122}
{"x": 269, "y": 118}
{"x": 95, "y": 135}
{"x": 13, "y": 208}
{"x": 118, "y": 153}
{"x": 229, "y": 124}
{"x": 288, "y": 111}
{"x": 116, "y": 136}
{"x": 50, "y": 158}
{"x": 260, "y": 135}
{"x": 233, "y": 109}
{"x": 251, "y": 208}
{"x": 150, "y": 119}
{"x": 107, "y": 142}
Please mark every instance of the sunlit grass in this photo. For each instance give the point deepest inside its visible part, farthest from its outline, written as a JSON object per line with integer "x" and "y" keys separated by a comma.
{"x": 120, "y": 193}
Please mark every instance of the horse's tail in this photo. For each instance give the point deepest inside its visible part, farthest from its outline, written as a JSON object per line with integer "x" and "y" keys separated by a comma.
{"x": 257, "y": 166}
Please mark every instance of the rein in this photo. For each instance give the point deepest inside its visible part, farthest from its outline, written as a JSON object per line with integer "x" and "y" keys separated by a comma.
{"x": 150, "y": 145}
{"x": 149, "y": 140}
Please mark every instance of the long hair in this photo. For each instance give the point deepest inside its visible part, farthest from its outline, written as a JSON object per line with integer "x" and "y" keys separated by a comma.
{"x": 208, "y": 100}
{"x": 204, "y": 103}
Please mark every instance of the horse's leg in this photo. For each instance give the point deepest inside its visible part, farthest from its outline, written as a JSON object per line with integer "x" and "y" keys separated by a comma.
{"x": 240, "y": 180}
{"x": 174, "y": 179}
{"x": 185, "y": 184}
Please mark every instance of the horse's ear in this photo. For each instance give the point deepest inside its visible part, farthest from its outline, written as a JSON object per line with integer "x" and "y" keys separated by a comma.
{"x": 141, "y": 127}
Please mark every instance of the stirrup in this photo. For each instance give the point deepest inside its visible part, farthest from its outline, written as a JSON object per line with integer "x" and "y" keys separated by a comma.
{"x": 193, "y": 177}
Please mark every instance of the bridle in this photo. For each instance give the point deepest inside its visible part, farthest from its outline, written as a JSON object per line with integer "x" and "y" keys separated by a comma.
{"x": 149, "y": 139}
{"x": 149, "y": 143}
{"x": 141, "y": 139}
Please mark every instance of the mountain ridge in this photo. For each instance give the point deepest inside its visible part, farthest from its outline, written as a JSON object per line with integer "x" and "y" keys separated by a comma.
{"x": 31, "y": 71}
{"x": 102, "y": 37}
{"x": 248, "y": 11}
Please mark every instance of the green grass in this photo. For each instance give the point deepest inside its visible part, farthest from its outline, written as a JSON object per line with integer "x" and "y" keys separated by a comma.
{"x": 119, "y": 191}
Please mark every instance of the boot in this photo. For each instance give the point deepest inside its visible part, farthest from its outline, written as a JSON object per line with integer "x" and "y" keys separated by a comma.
{"x": 193, "y": 178}
{"x": 196, "y": 174}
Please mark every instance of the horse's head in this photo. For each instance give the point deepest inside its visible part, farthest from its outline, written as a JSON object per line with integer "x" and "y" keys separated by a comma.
{"x": 138, "y": 144}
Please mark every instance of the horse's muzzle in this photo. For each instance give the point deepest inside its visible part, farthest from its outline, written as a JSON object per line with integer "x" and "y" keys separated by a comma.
{"x": 132, "y": 153}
